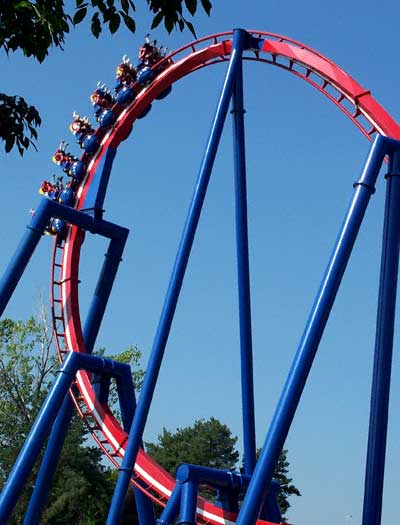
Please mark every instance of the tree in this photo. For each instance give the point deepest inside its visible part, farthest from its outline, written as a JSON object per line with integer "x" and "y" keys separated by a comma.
{"x": 287, "y": 487}
{"x": 210, "y": 443}
{"x": 34, "y": 26}
{"x": 27, "y": 368}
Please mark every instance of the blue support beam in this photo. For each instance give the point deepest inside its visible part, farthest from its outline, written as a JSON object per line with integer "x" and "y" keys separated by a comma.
{"x": 103, "y": 290}
{"x": 29, "y": 453}
{"x": 36, "y": 437}
{"x": 95, "y": 196}
{"x": 171, "y": 510}
{"x": 23, "y": 254}
{"x": 375, "y": 467}
{"x": 49, "y": 463}
{"x": 46, "y": 210}
{"x": 187, "y": 514}
{"x": 127, "y": 402}
{"x": 239, "y": 41}
{"x": 307, "y": 349}
{"x": 242, "y": 244}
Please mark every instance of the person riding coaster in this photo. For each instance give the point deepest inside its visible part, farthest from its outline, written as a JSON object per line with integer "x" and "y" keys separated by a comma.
{"x": 80, "y": 127}
{"x": 150, "y": 53}
{"x": 63, "y": 158}
{"x": 126, "y": 73}
{"x": 101, "y": 99}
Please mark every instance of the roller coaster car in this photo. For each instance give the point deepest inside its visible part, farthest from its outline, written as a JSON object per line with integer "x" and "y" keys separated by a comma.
{"x": 77, "y": 170}
{"x": 80, "y": 127}
{"x": 63, "y": 158}
{"x": 150, "y": 53}
{"x": 67, "y": 195}
{"x": 50, "y": 190}
{"x": 57, "y": 227}
{"x": 84, "y": 133}
{"x": 101, "y": 99}
{"x": 126, "y": 74}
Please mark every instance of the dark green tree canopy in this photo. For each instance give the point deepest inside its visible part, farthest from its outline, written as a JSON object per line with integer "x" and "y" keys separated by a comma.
{"x": 82, "y": 489}
{"x": 287, "y": 487}
{"x": 208, "y": 443}
{"x": 34, "y": 26}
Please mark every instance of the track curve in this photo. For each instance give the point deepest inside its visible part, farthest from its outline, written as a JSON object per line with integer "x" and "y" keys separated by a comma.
{"x": 340, "y": 88}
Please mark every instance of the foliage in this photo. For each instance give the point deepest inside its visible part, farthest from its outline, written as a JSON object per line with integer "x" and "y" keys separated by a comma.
{"x": 17, "y": 123}
{"x": 26, "y": 369}
{"x": 287, "y": 487}
{"x": 131, "y": 356}
{"x": 82, "y": 489}
{"x": 34, "y": 26}
{"x": 211, "y": 444}
{"x": 208, "y": 443}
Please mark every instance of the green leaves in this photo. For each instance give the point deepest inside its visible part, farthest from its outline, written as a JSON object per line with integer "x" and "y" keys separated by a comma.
{"x": 129, "y": 22}
{"x": 287, "y": 488}
{"x": 18, "y": 121}
{"x": 172, "y": 13}
{"x": 114, "y": 23}
{"x": 208, "y": 442}
{"x": 34, "y": 27}
{"x": 79, "y": 15}
{"x": 206, "y": 6}
{"x": 191, "y": 6}
{"x": 125, "y": 6}
{"x": 157, "y": 20}
{"x": 82, "y": 487}
{"x": 96, "y": 25}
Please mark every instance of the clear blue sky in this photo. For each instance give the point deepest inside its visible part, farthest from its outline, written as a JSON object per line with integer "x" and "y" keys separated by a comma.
{"x": 303, "y": 156}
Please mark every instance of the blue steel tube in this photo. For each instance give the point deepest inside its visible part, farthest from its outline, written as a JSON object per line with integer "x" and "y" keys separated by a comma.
{"x": 49, "y": 463}
{"x": 172, "y": 507}
{"x": 187, "y": 514}
{"x": 36, "y": 437}
{"x": 24, "y": 252}
{"x": 307, "y": 349}
{"x": 127, "y": 401}
{"x": 242, "y": 244}
{"x": 176, "y": 281}
{"x": 375, "y": 467}
{"x": 103, "y": 290}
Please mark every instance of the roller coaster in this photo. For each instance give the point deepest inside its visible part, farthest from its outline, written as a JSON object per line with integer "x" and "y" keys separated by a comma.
{"x": 84, "y": 379}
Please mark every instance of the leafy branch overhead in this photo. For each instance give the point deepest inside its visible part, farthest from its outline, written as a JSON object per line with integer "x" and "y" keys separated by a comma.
{"x": 18, "y": 121}
{"x": 34, "y": 27}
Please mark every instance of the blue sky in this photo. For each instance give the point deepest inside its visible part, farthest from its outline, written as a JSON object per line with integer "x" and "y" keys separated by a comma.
{"x": 303, "y": 156}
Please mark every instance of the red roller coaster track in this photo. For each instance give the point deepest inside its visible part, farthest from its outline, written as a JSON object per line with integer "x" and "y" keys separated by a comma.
{"x": 355, "y": 102}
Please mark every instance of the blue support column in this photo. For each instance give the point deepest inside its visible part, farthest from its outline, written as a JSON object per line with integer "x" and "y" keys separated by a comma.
{"x": 49, "y": 463}
{"x": 176, "y": 281}
{"x": 242, "y": 243}
{"x": 36, "y": 227}
{"x": 94, "y": 200}
{"x": 47, "y": 414}
{"x": 171, "y": 509}
{"x": 375, "y": 467}
{"x": 103, "y": 290}
{"x": 36, "y": 437}
{"x": 23, "y": 253}
{"x": 187, "y": 514}
{"x": 307, "y": 349}
{"x": 127, "y": 400}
